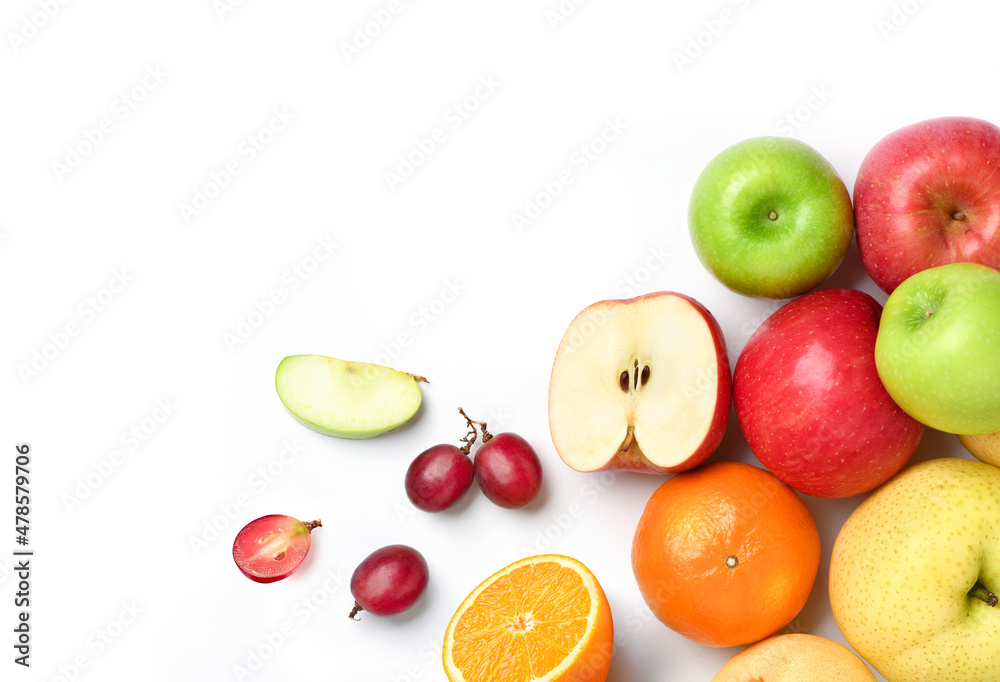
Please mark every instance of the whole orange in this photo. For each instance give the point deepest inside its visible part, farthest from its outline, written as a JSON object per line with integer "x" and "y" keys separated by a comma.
{"x": 725, "y": 554}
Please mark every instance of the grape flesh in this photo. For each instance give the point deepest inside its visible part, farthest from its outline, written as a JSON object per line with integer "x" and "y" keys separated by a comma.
{"x": 508, "y": 471}
{"x": 438, "y": 478}
{"x": 389, "y": 581}
{"x": 272, "y": 547}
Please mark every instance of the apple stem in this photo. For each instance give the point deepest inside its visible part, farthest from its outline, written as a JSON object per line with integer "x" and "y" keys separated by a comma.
{"x": 354, "y": 611}
{"x": 979, "y": 591}
{"x": 773, "y": 215}
{"x": 958, "y": 215}
{"x": 313, "y": 524}
{"x": 420, "y": 379}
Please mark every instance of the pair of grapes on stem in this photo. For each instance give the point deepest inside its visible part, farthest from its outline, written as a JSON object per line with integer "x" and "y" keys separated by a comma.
{"x": 505, "y": 466}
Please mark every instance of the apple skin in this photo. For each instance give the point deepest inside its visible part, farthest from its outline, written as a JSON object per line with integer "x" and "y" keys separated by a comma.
{"x": 795, "y": 658}
{"x": 938, "y": 348}
{"x": 809, "y": 399}
{"x": 904, "y": 568}
{"x": 632, "y": 459}
{"x": 911, "y": 187}
{"x": 770, "y": 217}
{"x": 985, "y": 447}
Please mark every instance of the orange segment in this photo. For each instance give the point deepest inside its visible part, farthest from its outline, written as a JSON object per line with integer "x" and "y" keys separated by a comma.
{"x": 541, "y": 619}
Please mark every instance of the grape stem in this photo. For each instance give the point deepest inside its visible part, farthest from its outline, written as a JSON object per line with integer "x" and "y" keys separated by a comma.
{"x": 313, "y": 524}
{"x": 354, "y": 611}
{"x": 470, "y": 438}
{"x": 419, "y": 379}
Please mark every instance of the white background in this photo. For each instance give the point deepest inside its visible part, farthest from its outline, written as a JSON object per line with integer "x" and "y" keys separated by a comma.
{"x": 190, "y": 282}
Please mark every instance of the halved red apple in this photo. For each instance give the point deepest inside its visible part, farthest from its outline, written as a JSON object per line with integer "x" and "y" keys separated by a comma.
{"x": 641, "y": 384}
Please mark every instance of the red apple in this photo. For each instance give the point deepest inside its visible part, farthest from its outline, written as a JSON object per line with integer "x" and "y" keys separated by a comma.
{"x": 927, "y": 195}
{"x": 810, "y": 402}
{"x": 641, "y": 385}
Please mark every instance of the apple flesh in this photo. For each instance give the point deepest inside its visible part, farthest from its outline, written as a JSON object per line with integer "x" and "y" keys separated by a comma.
{"x": 938, "y": 347}
{"x": 641, "y": 385}
{"x": 927, "y": 195}
{"x": 809, "y": 399}
{"x": 795, "y": 658}
{"x": 346, "y": 399}
{"x": 915, "y": 572}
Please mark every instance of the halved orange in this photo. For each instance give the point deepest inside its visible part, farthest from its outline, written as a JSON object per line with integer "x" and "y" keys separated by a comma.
{"x": 541, "y": 619}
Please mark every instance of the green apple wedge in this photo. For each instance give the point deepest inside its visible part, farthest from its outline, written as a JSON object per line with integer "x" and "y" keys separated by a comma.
{"x": 915, "y": 572}
{"x": 938, "y": 348}
{"x": 770, "y": 217}
{"x": 346, "y": 399}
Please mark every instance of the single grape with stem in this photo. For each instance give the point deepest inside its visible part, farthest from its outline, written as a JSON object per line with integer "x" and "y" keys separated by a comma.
{"x": 441, "y": 475}
{"x": 389, "y": 581}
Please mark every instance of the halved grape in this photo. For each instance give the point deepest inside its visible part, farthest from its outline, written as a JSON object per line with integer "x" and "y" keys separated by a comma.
{"x": 389, "y": 581}
{"x": 271, "y": 547}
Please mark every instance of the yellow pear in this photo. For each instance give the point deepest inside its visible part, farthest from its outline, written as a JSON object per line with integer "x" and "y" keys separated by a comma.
{"x": 985, "y": 448}
{"x": 915, "y": 573}
{"x": 795, "y": 658}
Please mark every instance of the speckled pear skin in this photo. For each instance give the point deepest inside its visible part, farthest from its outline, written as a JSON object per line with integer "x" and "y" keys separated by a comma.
{"x": 795, "y": 658}
{"x": 985, "y": 448}
{"x": 905, "y": 564}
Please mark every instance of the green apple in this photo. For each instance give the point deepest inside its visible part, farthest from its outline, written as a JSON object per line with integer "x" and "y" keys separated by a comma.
{"x": 770, "y": 217}
{"x": 346, "y": 399}
{"x": 984, "y": 446}
{"x": 915, "y": 572}
{"x": 795, "y": 658}
{"x": 938, "y": 348}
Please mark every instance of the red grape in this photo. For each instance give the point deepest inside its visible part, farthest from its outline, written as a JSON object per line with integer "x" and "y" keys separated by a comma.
{"x": 438, "y": 478}
{"x": 508, "y": 470}
{"x": 389, "y": 581}
{"x": 271, "y": 547}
